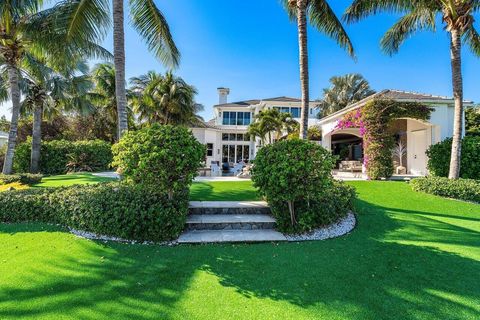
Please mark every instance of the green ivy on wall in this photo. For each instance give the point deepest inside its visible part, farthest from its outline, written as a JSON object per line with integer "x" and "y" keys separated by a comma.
{"x": 374, "y": 120}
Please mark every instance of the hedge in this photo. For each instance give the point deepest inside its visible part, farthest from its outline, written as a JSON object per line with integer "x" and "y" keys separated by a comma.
{"x": 62, "y": 156}
{"x": 117, "y": 209}
{"x": 462, "y": 189}
{"x": 24, "y": 178}
{"x": 295, "y": 178}
{"x": 439, "y": 158}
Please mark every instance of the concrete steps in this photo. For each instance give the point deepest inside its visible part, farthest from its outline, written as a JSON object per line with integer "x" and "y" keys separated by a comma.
{"x": 222, "y": 221}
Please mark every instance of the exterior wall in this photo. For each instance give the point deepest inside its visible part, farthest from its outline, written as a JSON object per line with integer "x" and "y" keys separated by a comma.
{"x": 3, "y": 139}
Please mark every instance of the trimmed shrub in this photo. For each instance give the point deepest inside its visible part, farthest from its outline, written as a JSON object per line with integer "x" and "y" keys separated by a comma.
{"x": 462, "y": 189}
{"x": 116, "y": 209}
{"x": 167, "y": 157}
{"x": 439, "y": 158}
{"x": 62, "y": 156}
{"x": 295, "y": 178}
{"x": 24, "y": 178}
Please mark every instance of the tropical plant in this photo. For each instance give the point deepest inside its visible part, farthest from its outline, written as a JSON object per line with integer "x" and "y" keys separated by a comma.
{"x": 322, "y": 17}
{"x": 48, "y": 93}
{"x": 164, "y": 99}
{"x": 272, "y": 121}
{"x": 420, "y": 15}
{"x": 343, "y": 91}
{"x": 26, "y": 31}
{"x": 472, "y": 121}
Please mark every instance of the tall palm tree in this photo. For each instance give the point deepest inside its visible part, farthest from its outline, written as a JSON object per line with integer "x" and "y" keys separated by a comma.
{"x": 164, "y": 99}
{"x": 25, "y": 29}
{"x": 343, "y": 91}
{"x": 420, "y": 15}
{"x": 322, "y": 17}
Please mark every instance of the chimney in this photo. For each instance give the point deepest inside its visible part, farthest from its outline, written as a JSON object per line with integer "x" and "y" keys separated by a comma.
{"x": 223, "y": 95}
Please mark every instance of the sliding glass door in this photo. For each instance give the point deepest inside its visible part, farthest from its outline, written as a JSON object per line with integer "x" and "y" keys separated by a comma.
{"x": 235, "y": 153}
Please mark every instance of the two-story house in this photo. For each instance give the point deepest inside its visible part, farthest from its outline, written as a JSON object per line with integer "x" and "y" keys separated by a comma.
{"x": 226, "y": 134}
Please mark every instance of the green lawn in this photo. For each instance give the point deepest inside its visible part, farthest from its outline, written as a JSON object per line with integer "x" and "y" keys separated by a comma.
{"x": 70, "y": 179}
{"x": 412, "y": 256}
{"x": 223, "y": 191}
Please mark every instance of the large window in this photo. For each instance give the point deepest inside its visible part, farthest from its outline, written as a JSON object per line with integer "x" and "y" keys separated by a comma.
{"x": 235, "y": 153}
{"x": 294, "y": 111}
{"x": 209, "y": 149}
{"x": 233, "y": 118}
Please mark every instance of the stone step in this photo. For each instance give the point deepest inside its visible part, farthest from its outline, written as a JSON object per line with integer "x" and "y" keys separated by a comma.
{"x": 210, "y": 236}
{"x": 229, "y": 207}
{"x": 230, "y": 221}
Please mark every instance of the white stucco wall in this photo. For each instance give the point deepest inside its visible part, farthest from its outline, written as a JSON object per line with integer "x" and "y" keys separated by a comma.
{"x": 3, "y": 139}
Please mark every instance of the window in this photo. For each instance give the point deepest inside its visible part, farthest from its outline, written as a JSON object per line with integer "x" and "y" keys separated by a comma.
{"x": 224, "y": 136}
{"x": 235, "y": 137}
{"x": 236, "y": 118}
{"x": 294, "y": 111}
{"x": 209, "y": 149}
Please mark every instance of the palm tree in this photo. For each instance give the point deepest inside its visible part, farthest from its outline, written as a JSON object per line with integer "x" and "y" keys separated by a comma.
{"x": 322, "y": 17}
{"x": 164, "y": 99}
{"x": 420, "y": 15}
{"x": 272, "y": 121}
{"x": 48, "y": 93}
{"x": 25, "y": 30}
{"x": 343, "y": 91}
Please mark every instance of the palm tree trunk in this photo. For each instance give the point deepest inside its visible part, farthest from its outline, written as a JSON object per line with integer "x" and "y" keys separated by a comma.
{"x": 303, "y": 50}
{"x": 457, "y": 81}
{"x": 12, "y": 135}
{"x": 119, "y": 61}
{"x": 36, "y": 139}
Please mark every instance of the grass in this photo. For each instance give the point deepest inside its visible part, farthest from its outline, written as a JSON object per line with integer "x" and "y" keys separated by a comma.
{"x": 411, "y": 256}
{"x": 223, "y": 191}
{"x": 69, "y": 180}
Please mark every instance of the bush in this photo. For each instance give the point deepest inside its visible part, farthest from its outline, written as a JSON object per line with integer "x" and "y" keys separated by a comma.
{"x": 295, "y": 177}
{"x": 116, "y": 209}
{"x": 62, "y": 156}
{"x": 439, "y": 158}
{"x": 24, "y": 178}
{"x": 166, "y": 157}
{"x": 2, "y": 156}
{"x": 462, "y": 189}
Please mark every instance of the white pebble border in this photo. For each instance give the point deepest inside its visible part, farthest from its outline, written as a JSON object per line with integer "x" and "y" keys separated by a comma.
{"x": 93, "y": 236}
{"x": 334, "y": 230}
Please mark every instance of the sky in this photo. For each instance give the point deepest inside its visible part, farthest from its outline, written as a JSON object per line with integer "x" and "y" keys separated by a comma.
{"x": 251, "y": 47}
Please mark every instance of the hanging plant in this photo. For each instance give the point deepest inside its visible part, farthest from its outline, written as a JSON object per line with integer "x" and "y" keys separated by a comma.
{"x": 373, "y": 121}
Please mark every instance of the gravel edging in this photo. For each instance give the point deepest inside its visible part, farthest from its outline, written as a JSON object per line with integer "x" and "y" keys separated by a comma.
{"x": 94, "y": 236}
{"x": 337, "y": 229}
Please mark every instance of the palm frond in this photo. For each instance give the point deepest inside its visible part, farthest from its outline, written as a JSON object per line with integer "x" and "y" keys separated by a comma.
{"x": 420, "y": 18}
{"x": 472, "y": 39}
{"x": 150, "y": 23}
{"x": 324, "y": 19}
{"x": 361, "y": 9}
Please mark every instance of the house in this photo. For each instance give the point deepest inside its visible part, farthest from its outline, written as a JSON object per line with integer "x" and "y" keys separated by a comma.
{"x": 227, "y": 140}
{"x": 416, "y": 135}
{"x": 225, "y": 136}
{"x": 3, "y": 138}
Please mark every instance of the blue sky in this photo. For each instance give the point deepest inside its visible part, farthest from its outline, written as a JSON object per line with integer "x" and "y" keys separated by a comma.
{"x": 250, "y": 46}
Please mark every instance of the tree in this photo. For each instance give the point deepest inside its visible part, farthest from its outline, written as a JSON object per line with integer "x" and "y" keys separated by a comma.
{"x": 164, "y": 99}
{"x": 343, "y": 91}
{"x": 420, "y": 15}
{"x": 25, "y": 30}
{"x": 322, "y": 17}
{"x": 472, "y": 121}
{"x": 48, "y": 93}
{"x": 272, "y": 121}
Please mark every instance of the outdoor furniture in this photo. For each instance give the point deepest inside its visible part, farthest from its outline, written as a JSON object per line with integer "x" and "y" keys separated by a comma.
{"x": 204, "y": 171}
{"x": 215, "y": 169}
{"x": 349, "y": 165}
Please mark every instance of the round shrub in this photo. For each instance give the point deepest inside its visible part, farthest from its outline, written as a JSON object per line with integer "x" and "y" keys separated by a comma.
{"x": 295, "y": 178}
{"x": 439, "y": 158}
{"x": 123, "y": 210}
{"x": 167, "y": 157}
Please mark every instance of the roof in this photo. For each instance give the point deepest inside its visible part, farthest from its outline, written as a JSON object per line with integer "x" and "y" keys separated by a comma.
{"x": 248, "y": 103}
{"x": 399, "y": 95}
{"x": 206, "y": 125}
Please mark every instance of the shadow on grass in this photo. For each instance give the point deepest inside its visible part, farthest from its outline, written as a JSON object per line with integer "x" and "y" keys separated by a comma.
{"x": 368, "y": 274}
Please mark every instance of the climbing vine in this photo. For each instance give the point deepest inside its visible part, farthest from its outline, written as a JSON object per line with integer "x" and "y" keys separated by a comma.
{"x": 374, "y": 120}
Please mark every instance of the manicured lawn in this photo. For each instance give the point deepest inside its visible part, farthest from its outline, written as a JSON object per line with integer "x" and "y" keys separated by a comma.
{"x": 223, "y": 191}
{"x": 412, "y": 256}
{"x": 70, "y": 179}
